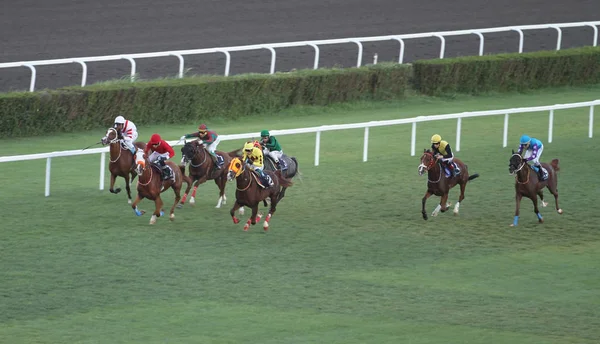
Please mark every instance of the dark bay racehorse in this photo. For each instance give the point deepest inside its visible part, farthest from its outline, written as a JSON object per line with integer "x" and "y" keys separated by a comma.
{"x": 249, "y": 193}
{"x": 203, "y": 168}
{"x": 527, "y": 184}
{"x": 151, "y": 185}
{"x": 291, "y": 171}
{"x": 121, "y": 163}
{"x": 439, "y": 184}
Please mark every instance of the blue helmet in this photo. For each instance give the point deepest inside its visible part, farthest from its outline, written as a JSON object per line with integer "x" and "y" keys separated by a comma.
{"x": 525, "y": 139}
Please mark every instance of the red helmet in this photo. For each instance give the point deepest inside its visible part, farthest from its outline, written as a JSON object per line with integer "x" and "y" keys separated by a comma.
{"x": 256, "y": 144}
{"x": 202, "y": 127}
{"x": 155, "y": 139}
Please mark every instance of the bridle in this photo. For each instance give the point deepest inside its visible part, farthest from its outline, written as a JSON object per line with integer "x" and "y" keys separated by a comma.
{"x": 521, "y": 165}
{"x": 115, "y": 140}
{"x": 429, "y": 166}
{"x": 195, "y": 148}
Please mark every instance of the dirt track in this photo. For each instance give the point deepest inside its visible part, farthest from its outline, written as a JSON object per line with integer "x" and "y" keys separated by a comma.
{"x": 48, "y": 29}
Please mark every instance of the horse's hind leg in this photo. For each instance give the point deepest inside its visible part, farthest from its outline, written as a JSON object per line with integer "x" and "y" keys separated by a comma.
{"x": 128, "y": 188}
{"x": 235, "y": 207}
{"x": 113, "y": 177}
{"x": 221, "y": 184}
{"x": 460, "y": 198}
{"x": 198, "y": 182}
{"x": 253, "y": 218}
{"x": 158, "y": 203}
{"x": 271, "y": 211}
{"x": 177, "y": 191}
{"x": 541, "y": 194}
{"x": 536, "y": 210}
{"x": 137, "y": 212}
{"x": 189, "y": 181}
{"x": 554, "y": 192}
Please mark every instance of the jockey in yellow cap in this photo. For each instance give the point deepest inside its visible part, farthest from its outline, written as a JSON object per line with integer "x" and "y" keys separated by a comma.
{"x": 441, "y": 150}
{"x": 253, "y": 158}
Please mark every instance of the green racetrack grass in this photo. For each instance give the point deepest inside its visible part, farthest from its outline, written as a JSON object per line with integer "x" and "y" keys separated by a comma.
{"x": 348, "y": 258}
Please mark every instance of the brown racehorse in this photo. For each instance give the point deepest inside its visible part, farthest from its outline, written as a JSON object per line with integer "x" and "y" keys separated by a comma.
{"x": 249, "y": 193}
{"x": 439, "y": 184}
{"x": 121, "y": 160}
{"x": 150, "y": 185}
{"x": 527, "y": 184}
{"x": 203, "y": 168}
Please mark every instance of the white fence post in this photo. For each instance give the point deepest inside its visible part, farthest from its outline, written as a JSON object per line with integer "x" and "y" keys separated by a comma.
{"x": 550, "y": 125}
{"x": 366, "y": 144}
{"x": 458, "y": 130}
{"x": 413, "y": 139}
{"x": 48, "y": 163}
{"x": 505, "y": 134}
{"x": 317, "y": 148}
{"x": 102, "y": 168}
{"x": 591, "y": 130}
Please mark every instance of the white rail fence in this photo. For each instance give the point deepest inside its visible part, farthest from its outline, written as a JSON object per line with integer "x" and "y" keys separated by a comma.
{"x": 179, "y": 54}
{"x": 325, "y": 128}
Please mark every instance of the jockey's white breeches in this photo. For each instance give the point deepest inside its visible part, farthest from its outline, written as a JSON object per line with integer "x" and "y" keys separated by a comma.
{"x": 276, "y": 155}
{"x": 213, "y": 146}
{"x": 535, "y": 161}
{"x": 155, "y": 155}
{"x": 128, "y": 141}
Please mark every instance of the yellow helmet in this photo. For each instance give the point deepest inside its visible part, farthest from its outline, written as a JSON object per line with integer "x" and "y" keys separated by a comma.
{"x": 436, "y": 138}
{"x": 249, "y": 146}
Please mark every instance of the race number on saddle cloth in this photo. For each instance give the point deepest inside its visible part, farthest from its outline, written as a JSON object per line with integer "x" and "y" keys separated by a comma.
{"x": 272, "y": 148}
{"x": 128, "y": 131}
{"x": 442, "y": 150}
{"x": 253, "y": 158}
{"x": 531, "y": 149}
{"x": 158, "y": 151}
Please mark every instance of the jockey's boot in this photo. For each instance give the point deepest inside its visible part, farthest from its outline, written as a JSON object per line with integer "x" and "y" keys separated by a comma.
{"x": 215, "y": 159}
{"x": 456, "y": 169}
{"x": 269, "y": 179}
{"x": 282, "y": 164}
{"x": 167, "y": 173}
{"x": 540, "y": 173}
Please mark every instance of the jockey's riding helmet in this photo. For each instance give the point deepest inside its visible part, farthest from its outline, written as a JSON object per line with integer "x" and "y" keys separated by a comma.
{"x": 248, "y": 146}
{"x": 202, "y": 128}
{"x": 120, "y": 120}
{"x": 155, "y": 139}
{"x": 264, "y": 133}
{"x": 436, "y": 138}
{"x": 525, "y": 139}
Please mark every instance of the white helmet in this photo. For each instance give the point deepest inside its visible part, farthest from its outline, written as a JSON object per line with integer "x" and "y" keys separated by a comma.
{"x": 120, "y": 120}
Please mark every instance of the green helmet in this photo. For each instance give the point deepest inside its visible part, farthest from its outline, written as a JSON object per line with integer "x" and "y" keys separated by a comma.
{"x": 264, "y": 133}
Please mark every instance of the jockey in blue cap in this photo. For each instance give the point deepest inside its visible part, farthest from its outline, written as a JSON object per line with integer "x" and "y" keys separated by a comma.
{"x": 531, "y": 150}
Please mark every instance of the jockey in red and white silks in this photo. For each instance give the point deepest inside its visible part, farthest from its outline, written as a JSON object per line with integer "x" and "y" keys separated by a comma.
{"x": 128, "y": 131}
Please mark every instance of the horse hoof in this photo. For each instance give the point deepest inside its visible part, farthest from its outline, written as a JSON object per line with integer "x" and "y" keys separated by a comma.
{"x": 544, "y": 204}
{"x": 117, "y": 190}
{"x": 246, "y": 227}
{"x": 512, "y": 225}
{"x": 241, "y": 211}
{"x": 192, "y": 201}
{"x": 266, "y": 226}
{"x": 560, "y": 211}
{"x": 455, "y": 213}
{"x": 138, "y": 212}
{"x": 179, "y": 206}
{"x": 424, "y": 216}
{"x": 129, "y": 201}
{"x": 172, "y": 217}
{"x": 236, "y": 220}
{"x": 162, "y": 213}
{"x": 541, "y": 221}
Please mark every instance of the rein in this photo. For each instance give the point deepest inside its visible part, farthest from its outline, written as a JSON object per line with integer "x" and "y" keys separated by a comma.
{"x": 149, "y": 179}
{"x": 516, "y": 174}
{"x": 428, "y": 167}
{"x": 249, "y": 183}
{"x": 117, "y": 141}
{"x": 196, "y": 152}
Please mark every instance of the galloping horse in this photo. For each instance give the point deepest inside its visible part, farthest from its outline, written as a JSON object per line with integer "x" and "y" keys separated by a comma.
{"x": 121, "y": 160}
{"x": 150, "y": 185}
{"x": 289, "y": 173}
{"x": 439, "y": 184}
{"x": 203, "y": 168}
{"x": 249, "y": 193}
{"x": 527, "y": 184}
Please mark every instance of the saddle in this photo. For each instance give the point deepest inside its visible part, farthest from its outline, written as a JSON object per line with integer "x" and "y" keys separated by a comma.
{"x": 542, "y": 173}
{"x": 263, "y": 183}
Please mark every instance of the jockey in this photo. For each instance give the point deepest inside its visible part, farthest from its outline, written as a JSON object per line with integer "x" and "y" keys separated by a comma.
{"x": 253, "y": 157}
{"x": 273, "y": 149}
{"x": 441, "y": 150}
{"x": 210, "y": 140}
{"x": 128, "y": 131}
{"x": 160, "y": 151}
{"x": 531, "y": 149}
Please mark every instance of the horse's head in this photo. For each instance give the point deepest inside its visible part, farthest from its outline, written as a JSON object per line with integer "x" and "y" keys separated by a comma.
{"x": 112, "y": 135}
{"x": 189, "y": 150}
{"x": 236, "y": 167}
{"x": 141, "y": 161}
{"x": 427, "y": 161}
{"x": 516, "y": 163}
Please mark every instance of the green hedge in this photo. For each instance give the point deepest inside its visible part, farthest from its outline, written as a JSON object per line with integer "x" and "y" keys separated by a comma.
{"x": 508, "y": 72}
{"x": 196, "y": 98}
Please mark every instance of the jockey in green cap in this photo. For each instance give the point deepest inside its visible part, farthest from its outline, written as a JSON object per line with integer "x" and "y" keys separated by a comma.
{"x": 272, "y": 148}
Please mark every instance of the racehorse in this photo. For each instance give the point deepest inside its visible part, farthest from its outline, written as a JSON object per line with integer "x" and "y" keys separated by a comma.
{"x": 439, "y": 184}
{"x": 527, "y": 184}
{"x": 203, "y": 168}
{"x": 151, "y": 185}
{"x": 291, "y": 171}
{"x": 121, "y": 160}
{"x": 249, "y": 193}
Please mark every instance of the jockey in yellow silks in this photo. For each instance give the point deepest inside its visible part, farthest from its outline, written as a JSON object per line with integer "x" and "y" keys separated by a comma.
{"x": 253, "y": 158}
{"x": 441, "y": 150}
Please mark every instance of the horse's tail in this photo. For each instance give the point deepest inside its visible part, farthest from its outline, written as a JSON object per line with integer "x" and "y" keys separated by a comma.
{"x": 297, "y": 168}
{"x": 473, "y": 176}
{"x": 235, "y": 153}
{"x": 554, "y": 165}
{"x": 283, "y": 181}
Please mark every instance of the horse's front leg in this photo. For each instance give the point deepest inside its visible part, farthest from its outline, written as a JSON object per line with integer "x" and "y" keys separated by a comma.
{"x": 189, "y": 182}
{"x": 128, "y": 188}
{"x": 541, "y": 194}
{"x": 518, "y": 197}
{"x": 423, "y": 201}
{"x": 158, "y": 203}
{"x": 272, "y": 210}
{"x": 536, "y": 210}
{"x": 254, "y": 218}
{"x": 444, "y": 205}
{"x": 220, "y": 181}
{"x": 137, "y": 212}
{"x": 235, "y": 207}
{"x": 113, "y": 177}
{"x": 177, "y": 190}
{"x": 198, "y": 182}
